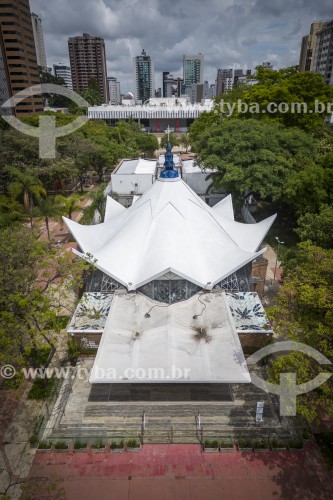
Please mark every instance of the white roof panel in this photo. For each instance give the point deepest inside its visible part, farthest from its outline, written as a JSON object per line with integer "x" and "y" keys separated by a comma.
{"x": 190, "y": 167}
{"x": 153, "y": 349}
{"x": 136, "y": 166}
{"x": 170, "y": 228}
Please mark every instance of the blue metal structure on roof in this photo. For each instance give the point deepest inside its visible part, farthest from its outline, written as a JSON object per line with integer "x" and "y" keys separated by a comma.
{"x": 169, "y": 171}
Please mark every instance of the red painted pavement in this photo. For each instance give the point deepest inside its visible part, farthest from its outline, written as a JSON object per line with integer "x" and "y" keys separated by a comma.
{"x": 185, "y": 472}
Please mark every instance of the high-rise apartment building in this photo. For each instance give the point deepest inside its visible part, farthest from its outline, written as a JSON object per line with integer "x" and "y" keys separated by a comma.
{"x": 193, "y": 69}
{"x": 308, "y": 48}
{"x": 18, "y": 60}
{"x": 172, "y": 86}
{"x": 323, "y": 60}
{"x": 61, "y": 70}
{"x": 144, "y": 77}
{"x": 224, "y": 80}
{"x": 88, "y": 61}
{"x": 4, "y": 82}
{"x": 114, "y": 90}
{"x": 39, "y": 41}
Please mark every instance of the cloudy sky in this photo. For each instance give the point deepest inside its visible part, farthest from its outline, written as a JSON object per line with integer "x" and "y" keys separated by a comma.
{"x": 230, "y": 33}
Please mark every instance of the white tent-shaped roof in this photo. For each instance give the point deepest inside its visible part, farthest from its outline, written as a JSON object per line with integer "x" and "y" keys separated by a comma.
{"x": 170, "y": 228}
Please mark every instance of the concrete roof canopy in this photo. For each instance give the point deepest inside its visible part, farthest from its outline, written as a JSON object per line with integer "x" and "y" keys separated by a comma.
{"x": 170, "y": 228}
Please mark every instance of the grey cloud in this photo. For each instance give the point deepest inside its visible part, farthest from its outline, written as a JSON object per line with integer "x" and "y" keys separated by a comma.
{"x": 228, "y": 32}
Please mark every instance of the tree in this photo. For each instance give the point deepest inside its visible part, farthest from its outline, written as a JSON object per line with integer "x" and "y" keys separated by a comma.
{"x": 148, "y": 144}
{"x": 250, "y": 155}
{"x": 68, "y": 205}
{"x": 296, "y": 92}
{"x": 47, "y": 208}
{"x": 98, "y": 205}
{"x": 306, "y": 188}
{"x": 303, "y": 312}
{"x": 11, "y": 212}
{"x": 27, "y": 186}
{"x": 317, "y": 227}
{"x": 184, "y": 140}
{"x": 36, "y": 285}
{"x": 92, "y": 94}
{"x": 173, "y": 140}
{"x": 55, "y": 100}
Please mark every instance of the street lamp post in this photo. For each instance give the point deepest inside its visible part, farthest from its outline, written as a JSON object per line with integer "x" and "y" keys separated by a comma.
{"x": 277, "y": 253}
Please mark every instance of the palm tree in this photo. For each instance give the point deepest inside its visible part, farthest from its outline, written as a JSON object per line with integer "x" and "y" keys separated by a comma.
{"x": 68, "y": 205}
{"x": 26, "y": 184}
{"x": 98, "y": 204}
{"x": 47, "y": 209}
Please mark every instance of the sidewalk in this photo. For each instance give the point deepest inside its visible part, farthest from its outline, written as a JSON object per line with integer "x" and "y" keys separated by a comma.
{"x": 273, "y": 264}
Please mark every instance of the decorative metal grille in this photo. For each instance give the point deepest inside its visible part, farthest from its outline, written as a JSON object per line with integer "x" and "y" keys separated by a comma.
{"x": 237, "y": 282}
{"x": 169, "y": 289}
{"x": 100, "y": 282}
{"x": 109, "y": 285}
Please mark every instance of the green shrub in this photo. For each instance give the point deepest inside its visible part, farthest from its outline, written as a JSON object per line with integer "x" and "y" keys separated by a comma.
{"x": 73, "y": 350}
{"x": 39, "y": 356}
{"x": 227, "y": 443}
{"x": 211, "y": 444}
{"x": 260, "y": 444}
{"x": 278, "y": 444}
{"x": 115, "y": 445}
{"x": 244, "y": 443}
{"x": 41, "y": 389}
{"x": 60, "y": 445}
{"x": 132, "y": 443}
{"x": 296, "y": 443}
{"x": 98, "y": 445}
{"x": 79, "y": 445}
{"x": 44, "y": 445}
{"x": 33, "y": 440}
{"x": 14, "y": 382}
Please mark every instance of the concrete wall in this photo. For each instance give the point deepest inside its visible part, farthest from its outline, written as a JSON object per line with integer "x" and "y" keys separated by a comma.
{"x": 124, "y": 184}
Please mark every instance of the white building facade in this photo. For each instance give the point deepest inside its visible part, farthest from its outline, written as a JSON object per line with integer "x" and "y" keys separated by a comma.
{"x": 61, "y": 70}
{"x": 114, "y": 91}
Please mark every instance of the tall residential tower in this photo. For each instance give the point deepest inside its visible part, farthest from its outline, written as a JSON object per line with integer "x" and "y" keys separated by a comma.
{"x": 39, "y": 41}
{"x": 308, "y": 48}
{"x": 144, "y": 77}
{"x": 18, "y": 61}
{"x": 87, "y": 60}
{"x": 323, "y": 60}
{"x": 193, "y": 69}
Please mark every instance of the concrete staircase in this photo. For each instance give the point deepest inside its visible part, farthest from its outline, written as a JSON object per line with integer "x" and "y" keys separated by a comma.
{"x": 81, "y": 413}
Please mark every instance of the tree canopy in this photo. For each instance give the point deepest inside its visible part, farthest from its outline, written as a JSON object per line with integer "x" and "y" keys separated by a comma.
{"x": 304, "y": 313}
{"x": 250, "y": 155}
{"x": 294, "y": 93}
{"x": 29, "y": 301}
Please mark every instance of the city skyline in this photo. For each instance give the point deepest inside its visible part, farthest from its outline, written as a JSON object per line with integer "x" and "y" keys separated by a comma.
{"x": 233, "y": 35}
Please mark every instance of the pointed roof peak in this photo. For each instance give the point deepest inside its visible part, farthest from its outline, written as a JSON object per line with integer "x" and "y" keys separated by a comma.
{"x": 169, "y": 171}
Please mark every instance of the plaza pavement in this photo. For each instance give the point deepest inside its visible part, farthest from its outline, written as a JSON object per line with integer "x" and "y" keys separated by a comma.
{"x": 185, "y": 472}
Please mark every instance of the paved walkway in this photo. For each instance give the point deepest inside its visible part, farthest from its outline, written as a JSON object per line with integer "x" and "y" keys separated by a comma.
{"x": 185, "y": 472}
